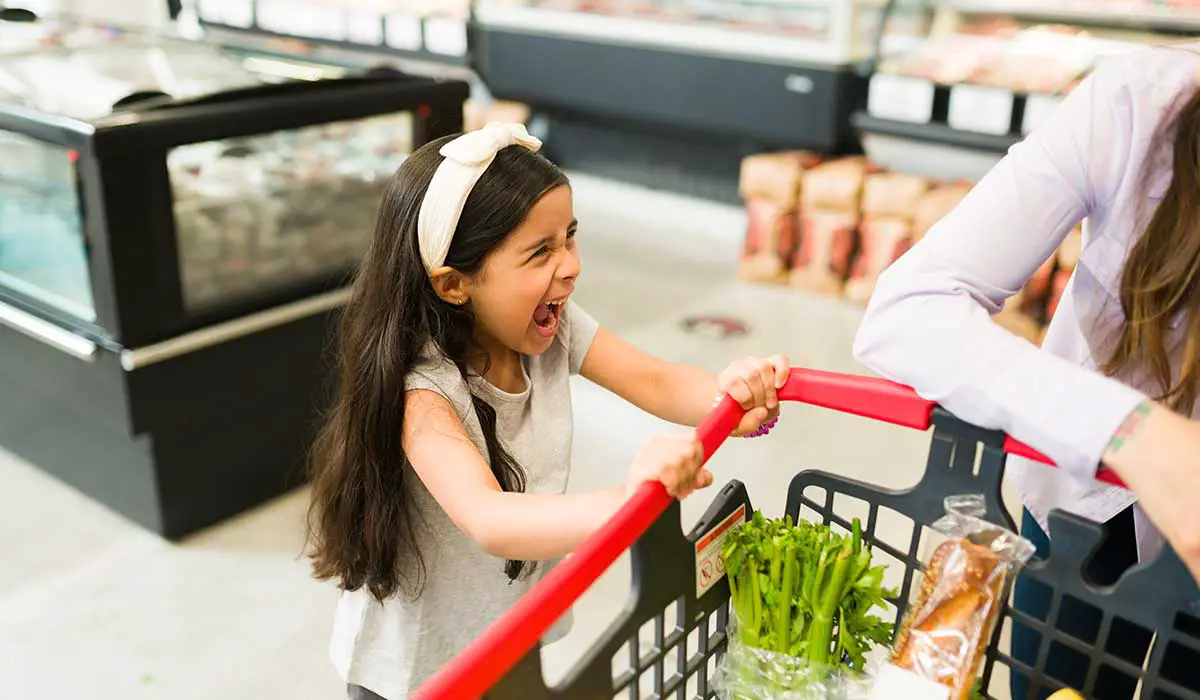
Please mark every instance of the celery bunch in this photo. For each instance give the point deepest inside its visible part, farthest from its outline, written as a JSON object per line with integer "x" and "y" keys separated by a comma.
{"x": 803, "y": 590}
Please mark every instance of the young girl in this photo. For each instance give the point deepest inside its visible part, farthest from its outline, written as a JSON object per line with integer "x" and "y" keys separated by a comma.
{"x": 1118, "y": 376}
{"x": 438, "y": 480}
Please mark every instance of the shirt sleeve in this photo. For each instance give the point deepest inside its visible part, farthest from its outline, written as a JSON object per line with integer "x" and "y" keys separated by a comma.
{"x": 929, "y": 323}
{"x": 580, "y": 330}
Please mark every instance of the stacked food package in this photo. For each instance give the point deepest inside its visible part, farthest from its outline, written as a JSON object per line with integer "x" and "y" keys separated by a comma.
{"x": 1067, "y": 258}
{"x": 833, "y": 227}
{"x": 770, "y": 185}
{"x": 830, "y": 207}
{"x": 886, "y": 229}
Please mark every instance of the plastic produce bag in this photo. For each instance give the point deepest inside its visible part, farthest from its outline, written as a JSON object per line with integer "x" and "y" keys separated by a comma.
{"x": 747, "y": 673}
{"x": 946, "y": 630}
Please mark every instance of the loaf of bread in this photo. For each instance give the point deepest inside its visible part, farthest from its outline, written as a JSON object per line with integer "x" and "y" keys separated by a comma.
{"x": 946, "y": 632}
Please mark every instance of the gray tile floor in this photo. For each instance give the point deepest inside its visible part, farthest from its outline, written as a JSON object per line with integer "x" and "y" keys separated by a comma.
{"x": 92, "y": 607}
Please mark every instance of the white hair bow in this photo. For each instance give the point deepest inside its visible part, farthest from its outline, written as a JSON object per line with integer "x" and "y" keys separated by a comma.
{"x": 466, "y": 159}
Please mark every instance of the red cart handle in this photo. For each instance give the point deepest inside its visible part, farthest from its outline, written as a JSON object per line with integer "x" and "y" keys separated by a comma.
{"x": 485, "y": 661}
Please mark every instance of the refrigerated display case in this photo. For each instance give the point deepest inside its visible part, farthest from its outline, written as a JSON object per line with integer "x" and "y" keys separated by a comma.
{"x": 432, "y": 32}
{"x": 178, "y": 223}
{"x": 948, "y": 99}
{"x": 668, "y": 89}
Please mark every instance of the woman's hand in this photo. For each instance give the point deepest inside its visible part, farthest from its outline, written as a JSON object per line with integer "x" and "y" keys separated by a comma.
{"x": 674, "y": 460}
{"x": 1156, "y": 452}
{"x": 754, "y": 382}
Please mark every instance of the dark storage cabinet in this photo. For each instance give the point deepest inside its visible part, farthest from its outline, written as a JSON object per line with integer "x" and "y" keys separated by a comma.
{"x": 178, "y": 222}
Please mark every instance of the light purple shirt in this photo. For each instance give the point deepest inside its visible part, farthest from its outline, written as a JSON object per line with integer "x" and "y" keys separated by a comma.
{"x": 929, "y": 323}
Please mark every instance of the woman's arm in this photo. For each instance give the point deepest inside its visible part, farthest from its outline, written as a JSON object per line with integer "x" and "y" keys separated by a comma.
{"x": 1155, "y": 451}
{"x": 528, "y": 527}
{"x": 928, "y": 324}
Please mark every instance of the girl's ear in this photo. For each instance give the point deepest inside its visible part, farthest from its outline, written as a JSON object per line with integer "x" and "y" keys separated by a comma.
{"x": 451, "y": 286}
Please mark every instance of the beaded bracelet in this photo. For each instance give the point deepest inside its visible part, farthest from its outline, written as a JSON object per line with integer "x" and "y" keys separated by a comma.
{"x": 762, "y": 430}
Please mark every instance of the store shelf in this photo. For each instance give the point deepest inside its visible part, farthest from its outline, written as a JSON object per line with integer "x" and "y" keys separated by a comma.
{"x": 698, "y": 37}
{"x": 703, "y": 96}
{"x": 941, "y": 134}
{"x": 1131, "y": 15}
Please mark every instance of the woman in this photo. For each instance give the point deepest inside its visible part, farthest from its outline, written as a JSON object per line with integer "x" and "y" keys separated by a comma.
{"x": 1117, "y": 379}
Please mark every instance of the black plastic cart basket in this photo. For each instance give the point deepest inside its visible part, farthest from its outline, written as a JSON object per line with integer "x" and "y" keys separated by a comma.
{"x": 682, "y": 595}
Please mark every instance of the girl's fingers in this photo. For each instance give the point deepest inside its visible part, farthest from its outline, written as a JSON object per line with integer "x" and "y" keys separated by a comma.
{"x": 766, "y": 375}
{"x": 758, "y": 388}
{"x": 783, "y": 368}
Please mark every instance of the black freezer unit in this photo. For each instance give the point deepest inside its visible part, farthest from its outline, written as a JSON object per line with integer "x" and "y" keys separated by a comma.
{"x": 178, "y": 223}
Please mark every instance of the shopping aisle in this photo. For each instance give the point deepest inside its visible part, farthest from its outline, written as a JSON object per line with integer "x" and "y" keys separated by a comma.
{"x": 92, "y": 607}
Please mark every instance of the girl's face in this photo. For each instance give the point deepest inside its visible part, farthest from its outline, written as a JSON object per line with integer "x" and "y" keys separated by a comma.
{"x": 521, "y": 291}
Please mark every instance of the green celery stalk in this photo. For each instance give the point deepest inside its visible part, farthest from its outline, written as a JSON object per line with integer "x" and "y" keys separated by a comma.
{"x": 820, "y": 634}
{"x": 783, "y": 613}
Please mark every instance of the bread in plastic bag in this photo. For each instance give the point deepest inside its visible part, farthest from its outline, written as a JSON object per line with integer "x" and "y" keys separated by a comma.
{"x": 947, "y": 628}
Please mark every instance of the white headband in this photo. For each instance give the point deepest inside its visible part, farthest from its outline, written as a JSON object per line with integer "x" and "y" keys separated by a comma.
{"x": 466, "y": 159}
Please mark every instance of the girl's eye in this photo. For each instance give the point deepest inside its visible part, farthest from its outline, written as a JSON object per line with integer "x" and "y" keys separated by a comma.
{"x": 541, "y": 251}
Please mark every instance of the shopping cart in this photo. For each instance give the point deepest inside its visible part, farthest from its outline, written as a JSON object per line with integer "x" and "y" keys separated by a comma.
{"x": 682, "y": 596}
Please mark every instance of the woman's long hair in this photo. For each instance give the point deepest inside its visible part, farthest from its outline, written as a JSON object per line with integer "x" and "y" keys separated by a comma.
{"x": 1159, "y": 281}
{"x": 363, "y": 528}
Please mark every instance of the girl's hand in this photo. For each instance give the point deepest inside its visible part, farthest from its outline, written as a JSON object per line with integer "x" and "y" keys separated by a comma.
{"x": 754, "y": 382}
{"x": 674, "y": 460}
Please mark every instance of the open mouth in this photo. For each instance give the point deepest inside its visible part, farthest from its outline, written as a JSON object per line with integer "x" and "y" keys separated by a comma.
{"x": 547, "y": 314}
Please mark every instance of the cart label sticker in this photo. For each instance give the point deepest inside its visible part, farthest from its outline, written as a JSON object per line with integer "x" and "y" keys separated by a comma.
{"x": 710, "y": 567}
{"x": 895, "y": 683}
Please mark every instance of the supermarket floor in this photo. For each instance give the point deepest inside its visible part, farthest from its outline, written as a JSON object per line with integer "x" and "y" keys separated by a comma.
{"x": 92, "y": 607}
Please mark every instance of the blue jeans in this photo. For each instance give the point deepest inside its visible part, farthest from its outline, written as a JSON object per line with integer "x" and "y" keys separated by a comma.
{"x": 1125, "y": 641}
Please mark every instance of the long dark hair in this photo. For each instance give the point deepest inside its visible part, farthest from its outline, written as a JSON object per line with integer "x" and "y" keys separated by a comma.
{"x": 1161, "y": 277}
{"x": 363, "y": 527}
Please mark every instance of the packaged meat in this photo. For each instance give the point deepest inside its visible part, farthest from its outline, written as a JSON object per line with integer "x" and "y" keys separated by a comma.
{"x": 824, "y": 250}
{"x": 775, "y": 176}
{"x": 836, "y": 184}
{"x": 932, "y": 206}
{"x": 265, "y": 212}
{"x": 892, "y": 195}
{"x": 946, "y": 630}
{"x": 881, "y": 241}
{"x": 770, "y": 240}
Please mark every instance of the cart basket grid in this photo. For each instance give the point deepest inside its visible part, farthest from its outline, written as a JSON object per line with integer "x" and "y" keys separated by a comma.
{"x": 673, "y": 633}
